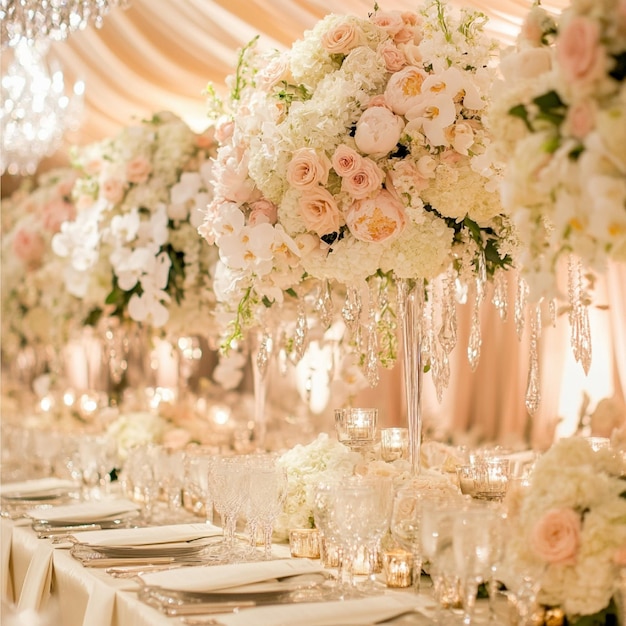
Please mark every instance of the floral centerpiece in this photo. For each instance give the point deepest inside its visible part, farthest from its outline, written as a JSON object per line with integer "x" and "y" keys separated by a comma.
{"x": 569, "y": 528}
{"x": 133, "y": 251}
{"x": 358, "y": 154}
{"x": 36, "y": 308}
{"x": 325, "y": 459}
{"x": 560, "y": 122}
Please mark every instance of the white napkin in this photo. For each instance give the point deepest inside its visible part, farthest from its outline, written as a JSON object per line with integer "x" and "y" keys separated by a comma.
{"x": 36, "y": 487}
{"x": 84, "y": 512}
{"x": 148, "y": 536}
{"x": 357, "y": 612}
{"x": 216, "y": 577}
{"x": 6, "y": 539}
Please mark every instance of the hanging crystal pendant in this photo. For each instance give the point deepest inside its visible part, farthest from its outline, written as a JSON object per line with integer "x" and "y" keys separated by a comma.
{"x": 448, "y": 331}
{"x": 351, "y": 311}
{"x": 500, "y": 299}
{"x": 521, "y": 298}
{"x": 324, "y": 305}
{"x": 371, "y": 341}
{"x": 533, "y": 388}
{"x": 300, "y": 335}
{"x": 578, "y": 315}
{"x": 475, "y": 338}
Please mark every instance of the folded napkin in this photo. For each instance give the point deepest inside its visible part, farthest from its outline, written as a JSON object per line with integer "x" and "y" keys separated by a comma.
{"x": 357, "y": 612}
{"x": 217, "y": 577}
{"x": 84, "y": 512}
{"x": 36, "y": 487}
{"x": 155, "y": 535}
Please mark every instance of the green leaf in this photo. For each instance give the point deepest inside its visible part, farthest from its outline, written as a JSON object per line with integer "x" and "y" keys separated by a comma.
{"x": 267, "y": 302}
{"x": 521, "y": 111}
{"x": 291, "y": 292}
{"x": 549, "y": 101}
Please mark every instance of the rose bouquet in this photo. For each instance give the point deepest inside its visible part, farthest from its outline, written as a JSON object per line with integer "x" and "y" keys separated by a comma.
{"x": 569, "y": 528}
{"x": 36, "y": 309}
{"x": 357, "y": 158}
{"x": 133, "y": 251}
{"x": 560, "y": 122}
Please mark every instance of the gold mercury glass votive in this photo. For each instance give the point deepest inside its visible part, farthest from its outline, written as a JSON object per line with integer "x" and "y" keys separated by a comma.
{"x": 304, "y": 543}
{"x": 394, "y": 444}
{"x": 398, "y": 568}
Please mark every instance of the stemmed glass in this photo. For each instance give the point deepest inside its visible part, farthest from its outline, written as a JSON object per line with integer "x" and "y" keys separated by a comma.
{"x": 476, "y": 551}
{"x": 405, "y": 527}
{"x": 362, "y": 507}
{"x": 267, "y": 491}
{"x": 326, "y": 522}
{"x": 197, "y": 468}
{"x": 229, "y": 483}
{"x": 437, "y": 521}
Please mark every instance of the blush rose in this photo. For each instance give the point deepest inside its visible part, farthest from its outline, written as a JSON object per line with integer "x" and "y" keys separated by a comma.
{"x": 555, "y": 538}
{"x": 307, "y": 169}
{"x": 378, "y": 131}
{"x": 319, "y": 211}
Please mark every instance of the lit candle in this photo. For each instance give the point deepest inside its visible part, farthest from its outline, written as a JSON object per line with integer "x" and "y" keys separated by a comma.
{"x": 398, "y": 568}
{"x": 394, "y": 443}
{"x": 304, "y": 543}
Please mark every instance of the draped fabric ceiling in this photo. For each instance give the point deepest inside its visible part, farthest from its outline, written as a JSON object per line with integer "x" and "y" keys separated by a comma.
{"x": 160, "y": 56}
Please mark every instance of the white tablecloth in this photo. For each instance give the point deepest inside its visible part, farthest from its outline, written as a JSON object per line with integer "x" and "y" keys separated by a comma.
{"x": 43, "y": 585}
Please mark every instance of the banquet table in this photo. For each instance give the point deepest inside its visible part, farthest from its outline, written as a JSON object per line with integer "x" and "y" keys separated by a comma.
{"x": 43, "y": 585}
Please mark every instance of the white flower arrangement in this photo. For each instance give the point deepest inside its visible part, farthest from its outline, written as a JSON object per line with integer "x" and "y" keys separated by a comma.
{"x": 560, "y": 122}
{"x": 360, "y": 152}
{"x": 36, "y": 308}
{"x": 136, "y": 428}
{"x": 307, "y": 465}
{"x": 570, "y": 526}
{"x": 133, "y": 251}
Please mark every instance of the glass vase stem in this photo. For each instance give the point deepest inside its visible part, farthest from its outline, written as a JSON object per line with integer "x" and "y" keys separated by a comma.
{"x": 411, "y": 305}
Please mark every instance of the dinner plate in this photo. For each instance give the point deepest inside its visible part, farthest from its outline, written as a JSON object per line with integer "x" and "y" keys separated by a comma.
{"x": 176, "y": 549}
{"x": 85, "y": 512}
{"x": 36, "y": 490}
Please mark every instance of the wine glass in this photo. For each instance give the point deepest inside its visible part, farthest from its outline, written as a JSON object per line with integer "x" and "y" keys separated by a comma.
{"x": 405, "y": 527}
{"x": 475, "y": 550}
{"x": 326, "y": 522}
{"x": 267, "y": 491}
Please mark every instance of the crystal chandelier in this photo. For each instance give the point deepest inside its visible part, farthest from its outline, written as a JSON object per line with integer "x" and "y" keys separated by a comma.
{"x": 50, "y": 19}
{"x": 35, "y": 110}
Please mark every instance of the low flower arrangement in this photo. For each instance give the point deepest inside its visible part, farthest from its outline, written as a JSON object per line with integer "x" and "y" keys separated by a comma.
{"x": 560, "y": 122}
{"x": 569, "y": 530}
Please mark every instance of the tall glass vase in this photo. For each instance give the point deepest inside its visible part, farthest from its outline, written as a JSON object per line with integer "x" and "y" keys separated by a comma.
{"x": 410, "y": 311}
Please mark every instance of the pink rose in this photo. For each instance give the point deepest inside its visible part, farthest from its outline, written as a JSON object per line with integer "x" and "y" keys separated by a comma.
{"x": 377, "y": 219}
{"x": 307, "y": 169}
{"x": 378, "y": 131}
{"x": 138, "y": 170}
{"x": 364, "y": 181}
{"x": 412, "y": 53}
{"x": 390, "y": 21}
{"x": 224, "y": 130}
{"x": 345, "y": 160}
{"x": 273, "y": 72}
{"x": 578, "y": 50}
{"x": 29, "y": 247}
{"x": 55, "y": 213}
{"x": 581, "y": 118}
{"x": 392, "y": 56}
{"x": 342, "y": 38}
{"x": 263, "y": 211}
{"x": 404, "y": 89}
{"x": 556, "y": 536}
{"x": 112, "y": 189}
{"x": 320, "y": 211}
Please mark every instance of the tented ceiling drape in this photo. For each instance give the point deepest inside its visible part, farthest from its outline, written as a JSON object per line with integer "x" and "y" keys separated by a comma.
{"x": 160, "y": 54}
